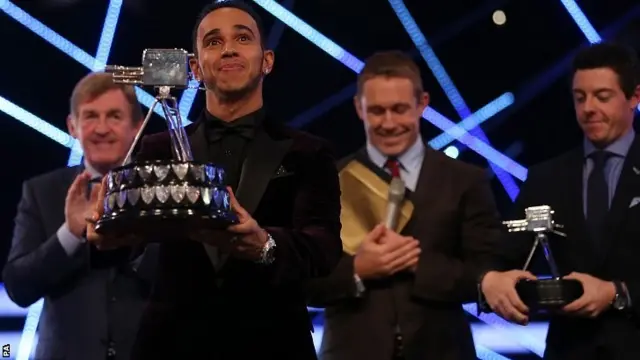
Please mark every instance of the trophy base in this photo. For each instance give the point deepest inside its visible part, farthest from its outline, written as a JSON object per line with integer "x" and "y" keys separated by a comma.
{"x": 161, "y": 224}
{"x": 548, "y": 294}
{"x": 165, "y": 199}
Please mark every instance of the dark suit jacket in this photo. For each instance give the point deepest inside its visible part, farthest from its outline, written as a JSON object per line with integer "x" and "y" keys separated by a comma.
{"x": 289, "y": 184}
{"x": 559, "y": 184}
{"x": 82, "y": 293}
{"x": 456, "y": 221}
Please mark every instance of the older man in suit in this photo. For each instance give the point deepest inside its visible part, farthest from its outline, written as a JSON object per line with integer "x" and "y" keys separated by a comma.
{"x": 93, "y": 300}
{"x": 594, "y": 190}
{"x": 397, "y": 293}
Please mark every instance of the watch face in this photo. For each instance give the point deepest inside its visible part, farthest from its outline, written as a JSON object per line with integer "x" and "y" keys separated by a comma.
{"x": 270, "y": 251}
{"x": 619, "y": 303}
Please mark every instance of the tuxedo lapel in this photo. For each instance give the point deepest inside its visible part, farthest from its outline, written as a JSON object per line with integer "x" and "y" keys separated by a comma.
{"x": 200, "y": 152}
{"x": 264, "y": 156}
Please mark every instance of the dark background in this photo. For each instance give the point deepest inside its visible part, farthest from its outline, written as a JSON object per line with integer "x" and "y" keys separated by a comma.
{"x": 527, "y": 56}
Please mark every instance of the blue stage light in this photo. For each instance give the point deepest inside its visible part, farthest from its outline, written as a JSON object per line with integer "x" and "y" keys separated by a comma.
{"x": 31, "y": 120}
{"x": 450, "y": 90}
{"x": 475, "y": 119}
{"x": 106, "y": 37}
{"x": 581, "y": 20}
{"x": 452, "y": 152}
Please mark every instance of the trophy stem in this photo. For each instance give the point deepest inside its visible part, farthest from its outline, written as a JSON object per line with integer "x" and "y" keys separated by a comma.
{"x": 177, "y": 134}
{"x": 181, "y": 134}
{"x": 533, "y": 251}
{"x": 544, "y": 241}
{"x": 127, "y": 159}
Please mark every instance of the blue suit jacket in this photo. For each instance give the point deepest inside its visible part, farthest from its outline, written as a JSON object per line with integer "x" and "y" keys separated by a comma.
{"x": 89, "y": 297}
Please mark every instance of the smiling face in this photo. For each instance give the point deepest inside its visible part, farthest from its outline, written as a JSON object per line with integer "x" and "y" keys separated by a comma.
{"x": 603, "y": 111}
{"x": 391, "y": 113}
{"x": 105, "y": 128}
{"x": 230, "y": 57}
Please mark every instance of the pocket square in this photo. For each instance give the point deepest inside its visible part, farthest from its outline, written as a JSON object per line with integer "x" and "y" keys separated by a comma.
{"x": 635, "y": 201}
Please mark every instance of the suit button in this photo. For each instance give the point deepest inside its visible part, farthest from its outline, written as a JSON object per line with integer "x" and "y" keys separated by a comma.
{"x": 113, "y": 299}
{"x": 111, "y": 350}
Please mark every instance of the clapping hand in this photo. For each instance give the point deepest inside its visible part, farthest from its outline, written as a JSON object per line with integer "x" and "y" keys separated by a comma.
{"x": 103, "y": 242}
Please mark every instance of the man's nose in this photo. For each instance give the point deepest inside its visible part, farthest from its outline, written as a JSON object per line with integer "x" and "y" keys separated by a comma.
{"x": 589, "y": 105}
{"x": 102, "y": 126}
{"x": 229, "y": 51}
{"x": 387, "y": 120}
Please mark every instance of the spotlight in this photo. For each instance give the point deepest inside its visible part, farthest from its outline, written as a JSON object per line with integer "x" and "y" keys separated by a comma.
{"x": 499, "y": 17}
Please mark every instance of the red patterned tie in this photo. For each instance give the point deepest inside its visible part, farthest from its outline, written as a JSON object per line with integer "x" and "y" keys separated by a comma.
{"x": 394, "y": 166}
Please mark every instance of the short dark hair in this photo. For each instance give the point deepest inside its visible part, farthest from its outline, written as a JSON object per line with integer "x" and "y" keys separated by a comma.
{"x": 219, "y": 4}
{"x": 391, "y": 63}
{"x": 623, "y": 60}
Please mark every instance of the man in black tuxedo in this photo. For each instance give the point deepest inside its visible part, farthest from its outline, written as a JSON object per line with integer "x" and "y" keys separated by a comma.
{"x": 222, "y": 297}
{"x": 92, "y": 300}
{"x": 398, "y": 293}
{"x": 594, "y": 190}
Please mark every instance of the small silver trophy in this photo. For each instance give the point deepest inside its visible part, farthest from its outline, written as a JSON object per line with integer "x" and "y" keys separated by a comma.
{"x": 163, "y": 196}
{"x": 545, "y": 294}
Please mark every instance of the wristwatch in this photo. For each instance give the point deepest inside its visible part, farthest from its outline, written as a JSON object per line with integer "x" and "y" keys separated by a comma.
{"x": 267, "y": 255}
{"x": 621, "y": 300}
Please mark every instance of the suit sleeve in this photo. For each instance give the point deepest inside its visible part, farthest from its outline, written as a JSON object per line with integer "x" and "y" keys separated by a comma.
{"x": 37, "y": 265}
{"x": 312, "y": 247}
{"x": 440, "y": 277}
{"x": 338, "y": 286}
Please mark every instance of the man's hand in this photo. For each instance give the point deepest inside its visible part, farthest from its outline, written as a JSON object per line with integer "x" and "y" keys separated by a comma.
{"x": 597, "y": 297}
{"x": 77, "y": 206}
{"x": 383, "y": 253}
{"x": 499, "y": 289}
{"x": 96, "y": 201}
{"x": 247, "y": 237}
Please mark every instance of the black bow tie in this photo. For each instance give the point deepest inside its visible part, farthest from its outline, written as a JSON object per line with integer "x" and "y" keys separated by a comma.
{"x": 216, "y": 130}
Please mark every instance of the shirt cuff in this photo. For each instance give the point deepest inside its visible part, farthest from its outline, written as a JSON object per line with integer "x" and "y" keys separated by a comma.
{"x": 70, "y": 243}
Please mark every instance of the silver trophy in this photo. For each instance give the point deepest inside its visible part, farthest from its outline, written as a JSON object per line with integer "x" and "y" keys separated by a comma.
{"x": 545, "y": 294}
{"x": 163, "y": 196}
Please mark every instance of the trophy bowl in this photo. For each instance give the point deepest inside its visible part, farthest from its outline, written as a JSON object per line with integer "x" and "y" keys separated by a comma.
{"x": 548, "y": 294}
{"x": 161, "y": 198}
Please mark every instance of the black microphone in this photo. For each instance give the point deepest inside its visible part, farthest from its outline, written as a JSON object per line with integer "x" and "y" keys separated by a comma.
{"x": 396, "y": 196}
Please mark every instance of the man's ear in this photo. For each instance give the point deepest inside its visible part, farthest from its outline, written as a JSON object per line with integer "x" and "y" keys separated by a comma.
{"x": 357, "y": 103}
{"x": 423, "y": 102}
{"x": 268, "y": 61}
{"x": 72, "y": 126}
{"x": 195, "y": 68}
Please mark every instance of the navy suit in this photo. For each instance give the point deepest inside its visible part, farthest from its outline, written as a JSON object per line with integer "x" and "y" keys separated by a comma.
{"x": 93, "y": 300}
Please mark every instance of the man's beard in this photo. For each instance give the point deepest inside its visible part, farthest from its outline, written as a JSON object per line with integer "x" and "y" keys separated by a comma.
{"x": 234, "y": 94}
